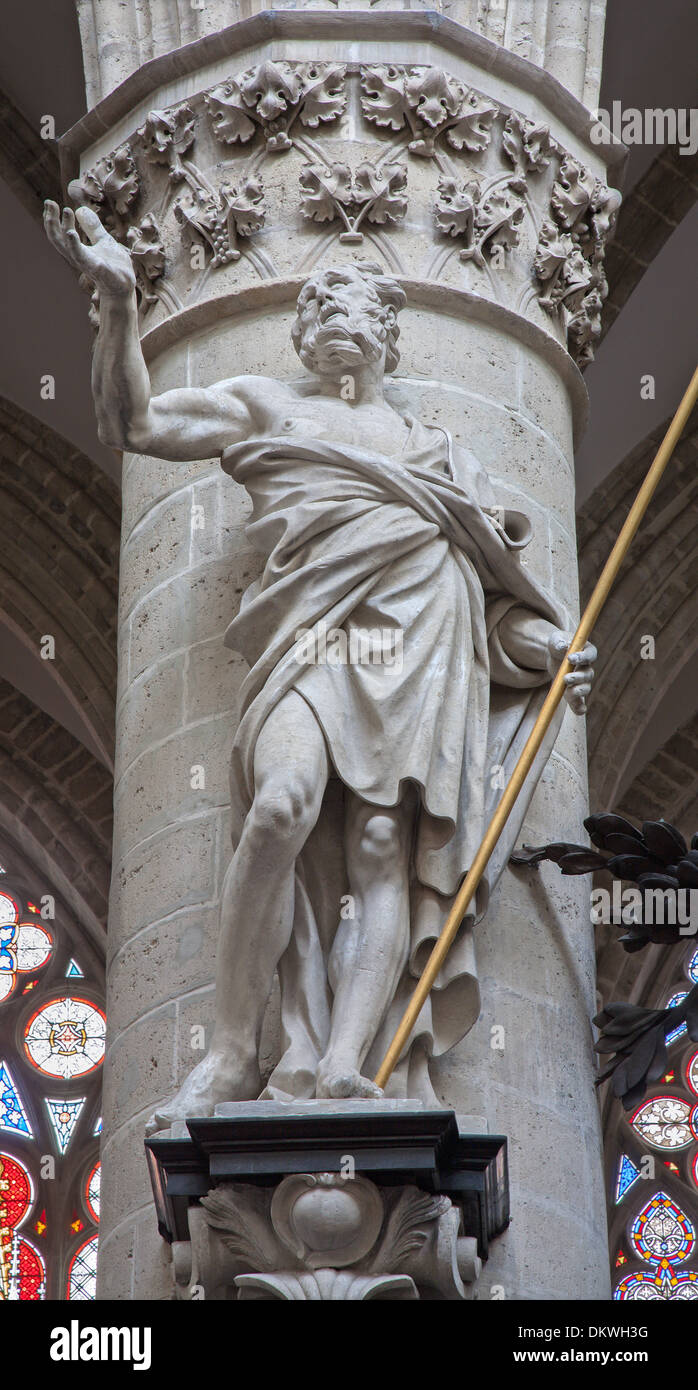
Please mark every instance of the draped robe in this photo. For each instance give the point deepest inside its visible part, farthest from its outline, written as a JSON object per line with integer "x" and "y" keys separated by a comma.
{"x": 358, "y": 541}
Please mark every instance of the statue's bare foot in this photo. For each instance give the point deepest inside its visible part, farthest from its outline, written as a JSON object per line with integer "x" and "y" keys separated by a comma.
{"x": 214, "y": 1080}
{"x": 336, "y": 1081}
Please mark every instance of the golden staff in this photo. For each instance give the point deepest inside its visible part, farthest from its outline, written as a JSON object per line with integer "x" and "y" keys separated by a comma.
{"x": 537, "y": 734}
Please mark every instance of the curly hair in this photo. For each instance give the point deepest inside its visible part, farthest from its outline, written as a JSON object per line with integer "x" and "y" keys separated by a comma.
{"x": 387, "y": 288}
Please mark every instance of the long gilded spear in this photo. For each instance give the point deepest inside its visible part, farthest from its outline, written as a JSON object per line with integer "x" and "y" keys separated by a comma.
{"x": 537, "y": 734}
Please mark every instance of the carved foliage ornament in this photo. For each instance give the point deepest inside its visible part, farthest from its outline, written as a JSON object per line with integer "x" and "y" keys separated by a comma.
{"x": 570, "y": 252}
{"x": 217, "y": 221}
{"x": 271, "y": 97}
{"x": 426, "y": 102}
{"x": 529, "y": 145}
{"x": 111, "y": 188}
{"x": 375, "y": 192}
{"x": 430, "y": 103}
{"x": 483, "y": 221}
{"x": 322, "y": 1237}
{"x": 166, "y": 137}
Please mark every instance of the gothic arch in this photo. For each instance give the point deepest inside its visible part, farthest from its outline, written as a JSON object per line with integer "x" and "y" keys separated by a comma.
{"x": 55, "y": 811}
{"x": 58, "y": 562}
{"x": 658, "y": 586}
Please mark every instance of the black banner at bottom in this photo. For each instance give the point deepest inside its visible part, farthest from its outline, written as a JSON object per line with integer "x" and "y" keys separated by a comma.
{"x": 163, "y": 1338}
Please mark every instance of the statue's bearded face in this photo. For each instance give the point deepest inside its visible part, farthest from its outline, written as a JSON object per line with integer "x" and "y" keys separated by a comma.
{"x": 342, "y": 323}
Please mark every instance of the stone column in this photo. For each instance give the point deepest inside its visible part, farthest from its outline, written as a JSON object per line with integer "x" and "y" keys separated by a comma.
{"x": 479, "y": 188}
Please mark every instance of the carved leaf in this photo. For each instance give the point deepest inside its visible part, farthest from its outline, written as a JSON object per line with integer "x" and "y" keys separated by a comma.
{"x": 182, "y": 129}
{"x": 474, "y": 130}
{"x": 455, "y": 207}
{"x": 499, "y": 218}
{"x": 407, "y": 1227}
{"x": 527, "y": 143}
{"x": 89, "y": 190}
{"x": 604, "y": 211}
{"x": 243, "y": 204}
{"x": 572, "y": 192}
{"x": 270, "y": 90}
{"x": 433, "y": 95}
{"x": 324, "y": 98}
{"x": 240, "y": 1216}
{"x": 121, "y": 181}
{"x": 147, "y": 250}
{"x": 383, "y": 99}
{"x": 324, "y": 187}
{"x": 384, "y": 189}
{"x": 229, "y": 119}
{"x": 166, "y": 136}
{"x": 552, "y": 251}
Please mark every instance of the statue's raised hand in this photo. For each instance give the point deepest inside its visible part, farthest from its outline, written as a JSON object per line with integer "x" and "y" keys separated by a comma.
{"x": 105, "y": 262}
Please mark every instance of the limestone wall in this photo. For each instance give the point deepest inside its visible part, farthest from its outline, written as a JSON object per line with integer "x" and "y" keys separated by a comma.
{"x": 563, "y": 36}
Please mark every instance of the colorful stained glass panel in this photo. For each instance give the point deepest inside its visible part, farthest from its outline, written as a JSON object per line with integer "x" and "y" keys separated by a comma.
{"x": 92, "y": 1192}
{"x": 64, "y": 1115}
{"x": 627, "y": 1175}
{"x": 666, "y": 1122}
{"x": 662, "y": 1231}
{"x": 66, "y": 1038}
{"x": 13, "y": 1115}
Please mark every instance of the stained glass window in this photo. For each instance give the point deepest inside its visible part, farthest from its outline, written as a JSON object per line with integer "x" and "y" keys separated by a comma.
{"x": 51, "y": 1048}
{"x": 663, "y": 1237}
{"x": 64, "y": 1115}
{"x": 66, "y": 1037}
{"x": 654, "y": 1220}
{"x": 692, "y": 1072}
{"x": 13, "y": 1115}
{"x": 627, "y": 1175}
{"x": 24, "y": 946}
{"x": 666, "y": 1122}
{"x": 22, "y": 1269}
{"x": 82, "y": 1276}
{"x": 92, "y": 1192}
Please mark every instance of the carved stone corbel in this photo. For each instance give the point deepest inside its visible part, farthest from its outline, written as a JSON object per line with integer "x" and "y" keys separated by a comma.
{"x": 322, "y": 1237}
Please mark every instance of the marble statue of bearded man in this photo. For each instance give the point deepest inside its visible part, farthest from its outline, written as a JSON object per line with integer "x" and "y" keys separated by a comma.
{"x": 398, "y": 652}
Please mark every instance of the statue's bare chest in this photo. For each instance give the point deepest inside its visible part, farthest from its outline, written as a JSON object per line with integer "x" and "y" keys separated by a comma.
{"x": 382, "y": 431}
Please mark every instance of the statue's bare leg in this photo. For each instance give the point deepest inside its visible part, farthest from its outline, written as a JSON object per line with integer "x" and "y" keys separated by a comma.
{"x": 370, "y": 949}
{"x": 291, "y": 767}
